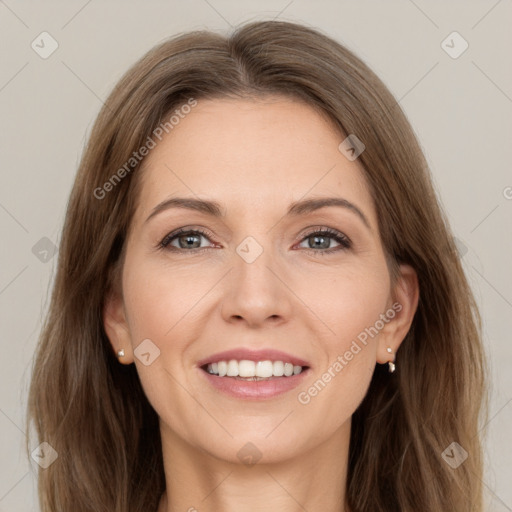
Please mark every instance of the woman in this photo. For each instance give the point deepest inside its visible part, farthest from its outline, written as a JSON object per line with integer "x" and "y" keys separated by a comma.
{"x": 258, "y": 302}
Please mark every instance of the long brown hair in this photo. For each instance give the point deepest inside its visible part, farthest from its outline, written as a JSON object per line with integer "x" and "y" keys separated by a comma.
{"x": 93, "y": 411}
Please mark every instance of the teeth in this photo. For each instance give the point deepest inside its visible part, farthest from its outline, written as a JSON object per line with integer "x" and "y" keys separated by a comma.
{"x": 263, "y": 369}
{"x": 248, "y": 369}
{"x": 222, "y": 368}
{"x": 232, "y": 368}
{"x": 278, "y": 368}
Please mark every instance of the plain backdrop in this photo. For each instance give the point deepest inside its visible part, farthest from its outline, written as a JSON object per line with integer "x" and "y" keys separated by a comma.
{"x": 459, "y": 105}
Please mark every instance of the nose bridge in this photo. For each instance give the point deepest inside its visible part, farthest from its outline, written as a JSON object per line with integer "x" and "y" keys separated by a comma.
{"x": 255, "y": 292}
{"x": 253, "y": 257}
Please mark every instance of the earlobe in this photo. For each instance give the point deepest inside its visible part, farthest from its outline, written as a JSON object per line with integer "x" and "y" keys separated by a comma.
{"x": 406, "y": 296}
{"x": 116, "y": 328}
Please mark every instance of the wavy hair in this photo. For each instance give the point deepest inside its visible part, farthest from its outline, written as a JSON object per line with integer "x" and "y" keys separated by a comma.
{"x": 93, "y": 411}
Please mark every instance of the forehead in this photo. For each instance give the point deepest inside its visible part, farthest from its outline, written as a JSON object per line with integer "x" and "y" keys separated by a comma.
{"x": 252, "y": 155}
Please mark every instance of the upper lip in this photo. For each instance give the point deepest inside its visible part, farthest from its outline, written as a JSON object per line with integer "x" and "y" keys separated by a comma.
{"x": 241, "y": 353}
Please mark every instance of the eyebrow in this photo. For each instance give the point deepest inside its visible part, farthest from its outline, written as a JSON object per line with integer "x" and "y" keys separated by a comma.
{"x": 296, "y": 208}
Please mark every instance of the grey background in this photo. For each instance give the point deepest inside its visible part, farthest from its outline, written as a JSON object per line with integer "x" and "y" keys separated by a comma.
{"x": 460, "y": 109}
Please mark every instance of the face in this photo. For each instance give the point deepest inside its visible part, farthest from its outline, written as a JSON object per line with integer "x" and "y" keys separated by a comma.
{"x": 312, "y": 283}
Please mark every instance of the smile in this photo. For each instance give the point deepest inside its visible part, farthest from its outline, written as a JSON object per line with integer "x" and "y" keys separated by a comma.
{"x": 253, "y": 380}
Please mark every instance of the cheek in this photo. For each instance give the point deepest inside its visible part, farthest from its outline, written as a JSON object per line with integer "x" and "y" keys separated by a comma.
{"x": 162, "y": 305}
{"x": 159, "y": 299}
{"x": 350, "y": 308}
{"x": 346, "y": 301}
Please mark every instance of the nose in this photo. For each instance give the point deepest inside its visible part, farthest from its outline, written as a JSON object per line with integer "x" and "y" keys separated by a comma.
{"x": 256, "y": 290}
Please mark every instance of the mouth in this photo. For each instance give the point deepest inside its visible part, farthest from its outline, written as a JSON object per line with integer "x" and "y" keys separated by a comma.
{"x": 250, "y": 380}
{"x": 250, "y": 374}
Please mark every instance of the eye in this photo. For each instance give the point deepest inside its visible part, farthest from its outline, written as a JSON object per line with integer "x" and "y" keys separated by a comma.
{"x": 186, "y": 239}
{"x": 322, "y": 238}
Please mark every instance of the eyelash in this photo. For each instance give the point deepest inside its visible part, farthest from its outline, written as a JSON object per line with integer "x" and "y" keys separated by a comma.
{"x": 343, "y": 240}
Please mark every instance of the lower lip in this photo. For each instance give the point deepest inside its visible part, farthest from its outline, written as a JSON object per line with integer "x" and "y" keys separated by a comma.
{"x": 255, "y": 389}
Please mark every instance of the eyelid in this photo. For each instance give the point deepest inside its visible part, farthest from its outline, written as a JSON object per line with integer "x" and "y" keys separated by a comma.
{"x": 183, "y": 230}
{"x": 310, "y": 230}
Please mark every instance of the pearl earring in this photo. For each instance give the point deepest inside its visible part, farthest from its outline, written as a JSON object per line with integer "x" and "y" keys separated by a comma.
{"x": 391, "y": 365}
{"x": 120, "y": 353}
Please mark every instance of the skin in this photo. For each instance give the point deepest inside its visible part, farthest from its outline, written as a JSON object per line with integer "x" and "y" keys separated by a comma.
{"x": 255, "y": 157}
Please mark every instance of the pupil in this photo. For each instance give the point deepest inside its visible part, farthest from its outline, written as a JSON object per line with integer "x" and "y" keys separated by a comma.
{"x": 190, "y": 240}
{"x": 325, "y": 239}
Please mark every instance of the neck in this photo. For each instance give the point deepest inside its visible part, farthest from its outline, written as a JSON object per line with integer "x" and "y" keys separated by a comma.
{"x": 198, "y": 481}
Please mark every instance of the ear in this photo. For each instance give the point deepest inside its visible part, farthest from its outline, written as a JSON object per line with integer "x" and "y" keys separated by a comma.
{"x": 400, "y": 314}
{"x": 116, "y": 327}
